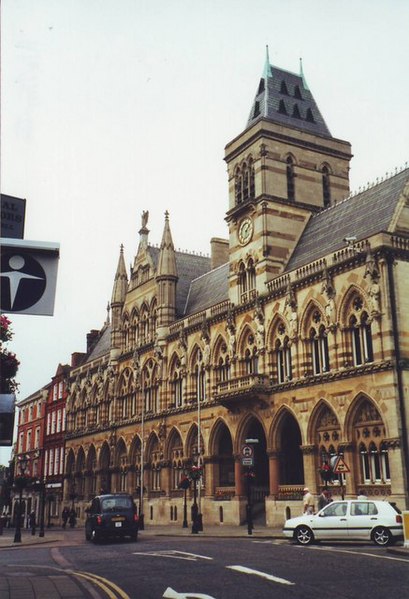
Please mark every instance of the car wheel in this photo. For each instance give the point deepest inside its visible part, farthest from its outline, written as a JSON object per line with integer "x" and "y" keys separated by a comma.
{"x": 303, "y": 535}
{"x": 88, "y": 534}
{"x": 382, "y": 536}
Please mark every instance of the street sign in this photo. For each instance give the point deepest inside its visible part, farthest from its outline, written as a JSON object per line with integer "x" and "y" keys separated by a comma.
{"x": 247, "y": 451}
{"x": 247, "y": 461}
{"x": 340, "y": 466}
{"x": 13, "y": 212}
{"x": 28, "y": 276}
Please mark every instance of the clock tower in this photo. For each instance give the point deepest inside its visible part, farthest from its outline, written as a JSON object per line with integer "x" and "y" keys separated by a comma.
{"x": 282, "y": 168}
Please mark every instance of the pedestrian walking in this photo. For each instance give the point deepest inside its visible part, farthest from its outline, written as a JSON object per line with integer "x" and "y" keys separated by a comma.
{"x": 72, "y": 518}
{"x": 65, "y": 515}
{"x": 308, "y": 502}
{"x": 32, "y": 522}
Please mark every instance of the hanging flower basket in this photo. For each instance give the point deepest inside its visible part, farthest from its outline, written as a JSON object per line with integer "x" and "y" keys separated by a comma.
{"x": 8, "y": 364}
{"x": 326, "y": 472}
{"x": 5, "y": 329}
{"x": 195, "y": 473}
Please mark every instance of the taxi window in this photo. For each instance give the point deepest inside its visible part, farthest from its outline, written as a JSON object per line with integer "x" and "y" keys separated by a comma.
{"x": 363, "y": 508}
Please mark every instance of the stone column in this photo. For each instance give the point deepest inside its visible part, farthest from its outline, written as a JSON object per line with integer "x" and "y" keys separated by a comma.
{"x": 310, "y": 467}
{"x": 209, "y": 464}
{"x": 238, "y": 477}
{"x": 166, "y": 477}
{"x": 274, "y": 472}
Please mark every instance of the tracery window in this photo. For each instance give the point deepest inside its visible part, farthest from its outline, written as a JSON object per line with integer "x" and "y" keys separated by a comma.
{"x": 282, "y": 361}
{"x": 369, "y": 432}
{"x": 360, "y": 333}
{"x": 177, "y": 462}
{"x": 223, "y": 365}
{"x": 155, "y": 467}
{"x": 150, "y": 386}
{"x": 199, "y": 376}
{"x": 177, "y": 384}
{"x": 318, "y": 344}
{"x": 247, "y": 280}
{"x": 250, "y": 358}
{"x": 244, "y": 182}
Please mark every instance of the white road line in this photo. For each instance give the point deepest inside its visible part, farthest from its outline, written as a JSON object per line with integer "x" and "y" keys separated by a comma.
{"x": 261, "y": 574}
{"x": 174, "y": 554}
{"x": 396, "y": 559}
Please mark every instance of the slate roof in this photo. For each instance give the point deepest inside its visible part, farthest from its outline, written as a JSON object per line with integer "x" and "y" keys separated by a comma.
{"x": 189, "y": 267}
{"x": 362, "y": 215}
{"x": 283, "y": 97}
{"x": 102, "y": 346}
{"x": 208, "y": 290}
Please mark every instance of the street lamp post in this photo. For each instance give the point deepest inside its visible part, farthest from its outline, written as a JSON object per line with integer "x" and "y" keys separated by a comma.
{"x": 137, "y": 372}
{"x": 20, "y": 482}
{"x": 42, "y": 507}
{"x": 199, "y": 433}
{"x": 184, "y": 484}
{"x": 195, "y": 474}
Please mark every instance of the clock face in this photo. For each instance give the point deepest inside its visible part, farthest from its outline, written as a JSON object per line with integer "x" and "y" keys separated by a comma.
{"x": 245, "y": 230}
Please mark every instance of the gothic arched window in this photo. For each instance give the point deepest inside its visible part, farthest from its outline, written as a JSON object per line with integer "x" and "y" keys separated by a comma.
{"x": 326, "y": 191}
{"x": 290, "y": 179}
{"x": 318, "y": 345}
{"x": 282, "y": 362}
{"x": 360, "y": 334}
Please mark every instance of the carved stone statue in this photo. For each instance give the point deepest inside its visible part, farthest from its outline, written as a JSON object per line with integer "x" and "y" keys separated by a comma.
{"x": 145, "y": 217}
{"x": 260, "y": 329}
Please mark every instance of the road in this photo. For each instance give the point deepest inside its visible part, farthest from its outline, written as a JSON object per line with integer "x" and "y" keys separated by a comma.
{"x": 220, "y": 568}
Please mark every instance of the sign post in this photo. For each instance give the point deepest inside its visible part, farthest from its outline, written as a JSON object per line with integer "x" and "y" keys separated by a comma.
{"x": 340, "y": 468}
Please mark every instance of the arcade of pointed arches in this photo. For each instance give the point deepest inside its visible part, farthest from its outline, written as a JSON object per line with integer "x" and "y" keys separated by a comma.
{"x": 116, "y": 466}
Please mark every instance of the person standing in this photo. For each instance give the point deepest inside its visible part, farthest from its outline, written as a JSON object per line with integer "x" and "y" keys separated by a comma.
{"x": 308, "y": 502}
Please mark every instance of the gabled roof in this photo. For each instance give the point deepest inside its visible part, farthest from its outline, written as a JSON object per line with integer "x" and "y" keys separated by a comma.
{"x": 283, "y": 97}
{"x": 208, "y": 290}
{"x": 102, "y": 346}
{"x": 365, "y": 214}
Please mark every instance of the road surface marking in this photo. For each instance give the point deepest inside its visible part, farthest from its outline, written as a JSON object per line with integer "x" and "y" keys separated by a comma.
{"x": 106, "y": 585}
{"x": 174, "y": 554}
{"x": 261, "y": 574}
{"x": 171, "y": 594}
{"x": 351, "y": 552}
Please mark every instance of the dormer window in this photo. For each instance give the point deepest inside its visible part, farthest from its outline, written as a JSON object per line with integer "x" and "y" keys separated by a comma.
{"x": 283, "y": 88}
{"x": 256, "y": 109}
{"x": 296, "y": 112}
{"x": 282, "y": 107}
{"x": 297, "y": 93}
{"x": 310, "y": 116}
{"x": 261, "y": 86}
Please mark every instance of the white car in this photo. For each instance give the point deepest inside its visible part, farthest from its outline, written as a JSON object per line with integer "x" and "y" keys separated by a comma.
{"x": 362, "y": 519}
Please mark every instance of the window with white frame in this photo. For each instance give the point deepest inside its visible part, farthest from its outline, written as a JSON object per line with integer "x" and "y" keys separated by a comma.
{"x": 60, "y": 389}
{"x": 360, "y": 333}
{"x": 59, "y": 415}
{"x": 53, "y": 421}
{"x": 48, "y": 423}
{"x": 55, "y": 392}
{"x": 56, "y": 460}
{"x": 51, "y": 462}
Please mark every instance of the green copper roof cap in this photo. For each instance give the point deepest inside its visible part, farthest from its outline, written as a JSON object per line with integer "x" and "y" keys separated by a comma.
{"x": 302, "y": 76}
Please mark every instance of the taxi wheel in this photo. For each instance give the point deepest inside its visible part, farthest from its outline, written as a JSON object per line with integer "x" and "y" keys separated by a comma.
{"x": 382, "y": 536}
{"x": 88, "y": 534}
{"x": 303, "y": 535}
{"x": 95, "y": 536}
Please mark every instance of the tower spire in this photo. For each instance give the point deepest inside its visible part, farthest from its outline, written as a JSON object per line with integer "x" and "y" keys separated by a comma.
{"x": 166, "y": 277}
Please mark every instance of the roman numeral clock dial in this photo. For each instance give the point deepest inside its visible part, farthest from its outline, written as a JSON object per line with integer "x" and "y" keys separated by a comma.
{"x": 245, "y": 231}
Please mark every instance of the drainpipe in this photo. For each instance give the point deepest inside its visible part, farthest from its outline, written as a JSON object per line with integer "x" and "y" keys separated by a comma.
{"x": 401, "y": 395}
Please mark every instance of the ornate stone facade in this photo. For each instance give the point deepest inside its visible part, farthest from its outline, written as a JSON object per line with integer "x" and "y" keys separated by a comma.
{"x": 297, "y": 339}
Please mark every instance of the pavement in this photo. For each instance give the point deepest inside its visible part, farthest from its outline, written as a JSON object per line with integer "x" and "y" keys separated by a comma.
{"x": 53, "y": 582}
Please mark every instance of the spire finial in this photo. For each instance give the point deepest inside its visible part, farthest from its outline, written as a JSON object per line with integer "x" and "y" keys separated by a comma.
{"x": 166, "y": 215}
{"x": 121, "y": 249}
{"x": 302, "y": 75}
{"x": 266, "y": 65}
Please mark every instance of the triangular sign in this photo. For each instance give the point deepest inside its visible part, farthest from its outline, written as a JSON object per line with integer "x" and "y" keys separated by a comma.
{"x": 340, "y": 466}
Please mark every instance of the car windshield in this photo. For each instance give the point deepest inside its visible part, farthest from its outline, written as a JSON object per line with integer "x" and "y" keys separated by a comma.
{"x": 113, "y": 504}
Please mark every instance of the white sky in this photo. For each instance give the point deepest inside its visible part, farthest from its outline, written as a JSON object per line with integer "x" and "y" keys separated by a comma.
{"x": 111, "y": 107}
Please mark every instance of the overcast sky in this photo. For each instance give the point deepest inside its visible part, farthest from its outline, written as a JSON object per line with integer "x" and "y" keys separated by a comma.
{"x": 112, "y": 107}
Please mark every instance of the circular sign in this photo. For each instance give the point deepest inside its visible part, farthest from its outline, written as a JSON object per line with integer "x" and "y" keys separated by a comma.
{"x": 23, "y": 281}
{"x": 247, "y": 451}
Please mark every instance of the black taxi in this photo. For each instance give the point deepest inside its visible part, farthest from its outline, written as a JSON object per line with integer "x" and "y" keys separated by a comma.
{"x": 112, "y": 515}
